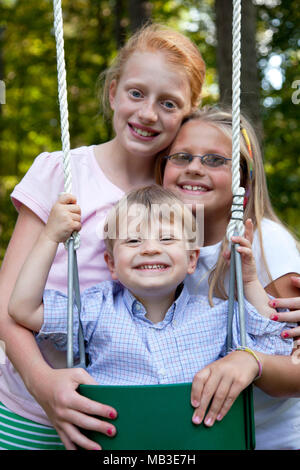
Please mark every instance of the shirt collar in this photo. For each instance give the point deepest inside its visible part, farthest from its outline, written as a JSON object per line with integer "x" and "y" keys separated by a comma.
{"x": 138, "y": 310}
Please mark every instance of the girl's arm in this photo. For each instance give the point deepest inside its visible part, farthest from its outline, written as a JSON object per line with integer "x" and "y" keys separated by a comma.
{"x": 54, "y": 390}
{"x": 26, "y": 303}
{"x": 253, "y": 289}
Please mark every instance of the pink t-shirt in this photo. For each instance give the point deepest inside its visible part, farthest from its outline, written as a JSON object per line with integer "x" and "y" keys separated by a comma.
{"x": 39, "y": 190}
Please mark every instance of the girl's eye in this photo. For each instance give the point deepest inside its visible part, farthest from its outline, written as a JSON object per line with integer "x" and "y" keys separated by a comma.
{"x": 169, "y": 104}
{"x": 135, "y": 93}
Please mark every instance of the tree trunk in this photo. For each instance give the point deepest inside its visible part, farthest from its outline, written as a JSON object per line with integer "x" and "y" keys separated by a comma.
{"x": 139, "y": 13}
{"x": 2, "y": 85}
{"x": 119, "y": 23}
{"x": 250, "y": 86}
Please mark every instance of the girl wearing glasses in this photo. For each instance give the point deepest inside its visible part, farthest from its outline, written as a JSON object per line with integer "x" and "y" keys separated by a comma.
{"x": 198, "y": 169}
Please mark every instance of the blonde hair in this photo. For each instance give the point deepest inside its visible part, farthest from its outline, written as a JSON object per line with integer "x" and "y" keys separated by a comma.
{"x": 179, "y": 51}
{"x": 253, "y": 179}
{"x": 149, "y": 198}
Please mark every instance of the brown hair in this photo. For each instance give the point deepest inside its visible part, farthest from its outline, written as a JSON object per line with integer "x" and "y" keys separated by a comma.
{"x": 178, "y": 48}
{"x": 253, "y": 179}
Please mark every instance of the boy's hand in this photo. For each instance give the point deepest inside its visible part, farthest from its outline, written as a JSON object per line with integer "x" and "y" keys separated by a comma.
{"x": 245, "y": 249}
{"x": 221, "y": 381}
{"x": 64, "y": 219}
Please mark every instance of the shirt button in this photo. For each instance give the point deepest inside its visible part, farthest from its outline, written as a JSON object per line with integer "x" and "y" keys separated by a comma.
{"x": 136, "y": 308}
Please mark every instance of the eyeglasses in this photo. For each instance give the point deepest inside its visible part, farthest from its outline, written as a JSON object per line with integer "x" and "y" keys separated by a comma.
{"x": 209, "y": 159}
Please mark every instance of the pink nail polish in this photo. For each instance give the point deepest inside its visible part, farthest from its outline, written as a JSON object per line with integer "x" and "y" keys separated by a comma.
{"x": 196, "y": 419}
{"x": 274, "y": 317}
{"x": 285, "y": 335}
{"x": 110, "y": 432}
{"x": 112, "y": 415}
{"x": 273, "y": 303}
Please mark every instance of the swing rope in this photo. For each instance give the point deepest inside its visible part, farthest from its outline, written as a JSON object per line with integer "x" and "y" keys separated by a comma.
{"x": 73, "y": 242}
{"x": 236, "y": 222}
{"x": 236, "y": 225}
{"x": 63, "y": 102}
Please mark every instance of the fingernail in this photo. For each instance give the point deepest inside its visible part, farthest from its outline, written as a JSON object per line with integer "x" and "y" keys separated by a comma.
{"x": 219, "y": 417}
{"x": 273, "y": 303}
{"x": 195, "y": 403}
{"x": 196, "y": 419}
{"x": 285, "y": 335}
{"x": 208, "y": 421}
{"x": 112, "y": 415}
{"x": 274, "y": 317}
{"x": 110, "y": 432}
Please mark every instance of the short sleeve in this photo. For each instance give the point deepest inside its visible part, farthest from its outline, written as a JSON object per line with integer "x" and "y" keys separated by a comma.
{"x": 40, "y": 186}
{"x": 55, "y": 316}
{"x": 280, "y": 250}
{"x": 262, "y": 334}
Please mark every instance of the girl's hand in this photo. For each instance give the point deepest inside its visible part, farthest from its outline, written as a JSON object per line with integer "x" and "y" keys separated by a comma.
{"x": 222, "y": 381}
{"x": 293, "y": 304}
{"x": 64, "y": 219}
{"x": 69, "y": 411}
{"x": 245, "y": 249}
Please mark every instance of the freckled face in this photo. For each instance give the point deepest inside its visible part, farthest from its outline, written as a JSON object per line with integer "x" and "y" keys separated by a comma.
{"x": 198, "y": 183}
{"x": 149, "y": 103}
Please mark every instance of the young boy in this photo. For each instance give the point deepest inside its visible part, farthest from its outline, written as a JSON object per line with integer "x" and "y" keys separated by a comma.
{"x": 142, "y": 327}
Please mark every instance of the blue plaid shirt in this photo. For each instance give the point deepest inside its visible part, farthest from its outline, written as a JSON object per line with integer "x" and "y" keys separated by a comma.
{"x": 126, "y": 348}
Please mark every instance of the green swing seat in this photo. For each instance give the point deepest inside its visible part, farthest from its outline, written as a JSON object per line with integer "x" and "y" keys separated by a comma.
{"x": 159, "y": 417}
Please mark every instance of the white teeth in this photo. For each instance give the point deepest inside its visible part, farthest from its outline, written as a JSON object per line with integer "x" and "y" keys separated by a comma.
{"x": 143, "y": 133}
{"x": 193, "y": 188}
{"x": 152, "y": 266}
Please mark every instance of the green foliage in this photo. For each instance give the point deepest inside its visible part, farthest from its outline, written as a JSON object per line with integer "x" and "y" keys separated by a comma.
{"x": 30, "y": 118}
{"x": 280, "y": 114}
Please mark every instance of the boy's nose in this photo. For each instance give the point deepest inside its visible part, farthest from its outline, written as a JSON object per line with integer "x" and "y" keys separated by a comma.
{"x": 150, "y": 246}
{"x": 147, "y": 112}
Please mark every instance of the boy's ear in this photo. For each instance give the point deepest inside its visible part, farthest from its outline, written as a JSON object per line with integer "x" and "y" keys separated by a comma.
{"x": 193, "y": 258}
{"x": 110, "y": 264}
{"x": 112, "y": 93}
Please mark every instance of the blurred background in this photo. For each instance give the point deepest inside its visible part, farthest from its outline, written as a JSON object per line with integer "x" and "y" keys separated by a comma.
{"x": 93, "y": 32}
